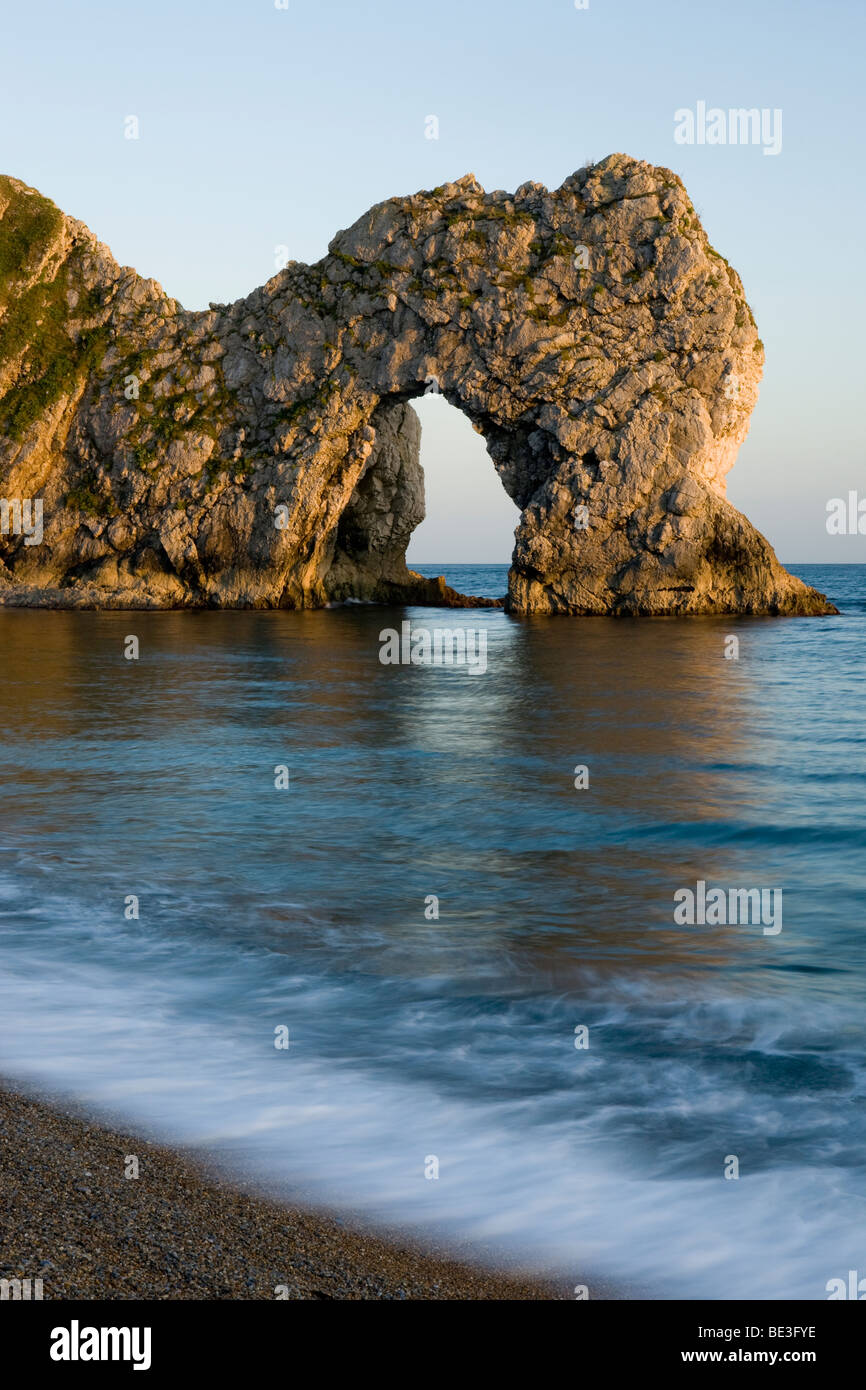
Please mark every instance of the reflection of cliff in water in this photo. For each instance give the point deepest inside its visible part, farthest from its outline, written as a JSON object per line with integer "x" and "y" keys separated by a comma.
{"x": 405, "y": 781}
{"x": 656, "y": 714}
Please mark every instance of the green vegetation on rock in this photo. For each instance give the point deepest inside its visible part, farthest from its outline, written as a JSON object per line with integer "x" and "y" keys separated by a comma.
{"x": 40, "y": 357}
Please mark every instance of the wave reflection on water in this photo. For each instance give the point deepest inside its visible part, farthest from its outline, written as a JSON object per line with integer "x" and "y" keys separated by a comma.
{"x": 455, "y": 1037}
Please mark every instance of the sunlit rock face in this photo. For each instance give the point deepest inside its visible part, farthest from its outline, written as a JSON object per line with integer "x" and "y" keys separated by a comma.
{"x": 264, "y": 454}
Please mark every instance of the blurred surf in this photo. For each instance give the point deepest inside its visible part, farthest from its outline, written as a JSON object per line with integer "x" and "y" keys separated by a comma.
{"x": 453, "y": 1037}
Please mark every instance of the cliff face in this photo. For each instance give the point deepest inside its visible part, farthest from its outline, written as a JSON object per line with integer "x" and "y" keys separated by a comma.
{"x": 264, "y": 454}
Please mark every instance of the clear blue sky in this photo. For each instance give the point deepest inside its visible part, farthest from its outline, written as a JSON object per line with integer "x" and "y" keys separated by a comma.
{"x": 262, "y": 127}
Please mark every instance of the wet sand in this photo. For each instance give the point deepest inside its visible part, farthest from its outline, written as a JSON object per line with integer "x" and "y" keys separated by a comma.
{"x": 72, "y": 1218}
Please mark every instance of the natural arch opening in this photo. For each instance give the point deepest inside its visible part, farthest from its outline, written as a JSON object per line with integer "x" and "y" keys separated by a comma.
{"x": 402, "y": 522}
{"x": 469, "y": 517}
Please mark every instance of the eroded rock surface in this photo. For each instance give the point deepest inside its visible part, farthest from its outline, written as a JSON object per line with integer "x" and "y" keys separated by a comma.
{"x": 264, "y": 453}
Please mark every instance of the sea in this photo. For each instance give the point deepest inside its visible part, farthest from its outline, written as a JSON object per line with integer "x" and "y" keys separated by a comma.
{"x": 403, "y": 940}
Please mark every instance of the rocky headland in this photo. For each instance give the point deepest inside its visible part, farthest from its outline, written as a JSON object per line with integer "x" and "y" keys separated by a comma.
{"x": 265, "y": 453}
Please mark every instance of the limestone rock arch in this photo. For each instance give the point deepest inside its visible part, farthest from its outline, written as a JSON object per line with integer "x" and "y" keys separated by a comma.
{"x": 265, "y": 453}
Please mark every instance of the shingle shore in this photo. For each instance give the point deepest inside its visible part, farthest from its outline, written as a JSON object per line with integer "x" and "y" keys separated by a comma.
{"x": 70, "y": 1217}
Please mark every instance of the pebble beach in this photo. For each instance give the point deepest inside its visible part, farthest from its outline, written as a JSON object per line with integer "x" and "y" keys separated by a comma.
{"x": 72, "y": 1218}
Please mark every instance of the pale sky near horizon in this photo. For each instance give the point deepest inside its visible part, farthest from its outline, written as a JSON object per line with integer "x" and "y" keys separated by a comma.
{"x": 262, "y": 127}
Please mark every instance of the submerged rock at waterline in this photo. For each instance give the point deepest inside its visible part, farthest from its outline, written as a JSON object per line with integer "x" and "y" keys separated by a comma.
{"x": 265, "y": 454}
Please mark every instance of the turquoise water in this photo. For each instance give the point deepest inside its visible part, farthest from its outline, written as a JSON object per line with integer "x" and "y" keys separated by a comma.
{"x": 413, "y": 1037}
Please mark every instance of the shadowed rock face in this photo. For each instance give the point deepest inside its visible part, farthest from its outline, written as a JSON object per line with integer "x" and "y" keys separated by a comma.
{"x": 264, "y": 453}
